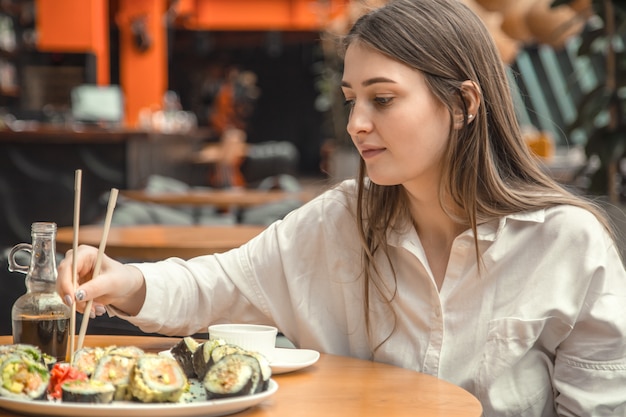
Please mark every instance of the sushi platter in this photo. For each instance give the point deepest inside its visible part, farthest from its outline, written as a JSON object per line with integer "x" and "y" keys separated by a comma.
{"x": 196, "y": 379}
{"x": 195, "y": 406}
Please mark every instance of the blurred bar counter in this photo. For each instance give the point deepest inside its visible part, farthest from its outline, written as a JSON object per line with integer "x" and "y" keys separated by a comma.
{"x": 38, "y": 164}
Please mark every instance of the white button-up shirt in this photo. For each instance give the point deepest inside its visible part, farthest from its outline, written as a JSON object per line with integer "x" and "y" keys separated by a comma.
{"x": 539, "y": 330}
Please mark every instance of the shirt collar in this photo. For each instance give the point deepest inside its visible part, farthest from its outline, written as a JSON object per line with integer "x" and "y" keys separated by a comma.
{"x": 488, "y": 231}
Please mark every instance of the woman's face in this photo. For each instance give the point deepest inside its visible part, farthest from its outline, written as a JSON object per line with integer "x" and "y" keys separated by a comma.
{"x": 398, "y": 126}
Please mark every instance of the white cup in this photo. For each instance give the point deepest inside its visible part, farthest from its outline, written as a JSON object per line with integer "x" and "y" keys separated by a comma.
{"x": 252, "y": 337}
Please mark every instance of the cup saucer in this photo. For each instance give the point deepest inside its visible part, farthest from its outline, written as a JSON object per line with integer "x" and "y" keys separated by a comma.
{"x": 288, "y": 360}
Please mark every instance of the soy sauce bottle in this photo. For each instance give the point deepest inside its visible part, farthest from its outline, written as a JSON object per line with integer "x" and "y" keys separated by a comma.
{"x": 40, "y": 317}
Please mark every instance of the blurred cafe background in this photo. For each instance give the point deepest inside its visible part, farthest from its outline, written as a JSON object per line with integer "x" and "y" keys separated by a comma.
{"x": 176, "y": 96}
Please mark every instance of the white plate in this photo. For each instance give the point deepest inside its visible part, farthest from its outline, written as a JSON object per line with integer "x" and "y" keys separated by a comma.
{"x": 194, "y": 406}
{"x": 289, "y": 360}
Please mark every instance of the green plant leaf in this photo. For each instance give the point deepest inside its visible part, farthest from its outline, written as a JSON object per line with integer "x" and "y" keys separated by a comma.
{"x": 588, "y": 39}
{"x": 608, "y": 145}
{"x": 603, "y": 141}
{"x": 589, "y": 107}
{"x": 598, "y": 182}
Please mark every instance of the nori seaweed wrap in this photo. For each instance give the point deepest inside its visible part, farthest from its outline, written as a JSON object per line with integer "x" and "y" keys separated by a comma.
{"x": 266, "y": 370}
{"x": 202, "y": 356}
{"x": 183, "y": 353}
{"x": 88, "y": 391}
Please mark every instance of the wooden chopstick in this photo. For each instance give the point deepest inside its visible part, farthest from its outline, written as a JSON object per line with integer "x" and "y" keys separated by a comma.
{"x": 96, "y": 269}
{"x": 77, "y": 188}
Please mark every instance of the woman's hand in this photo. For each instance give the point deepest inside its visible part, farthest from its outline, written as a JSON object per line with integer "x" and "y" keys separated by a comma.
{"x": 121, "y": 286}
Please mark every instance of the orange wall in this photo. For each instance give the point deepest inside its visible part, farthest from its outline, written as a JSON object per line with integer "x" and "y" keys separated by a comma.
{"x": 76, "y": 26}
{"x": 264, "y": 14}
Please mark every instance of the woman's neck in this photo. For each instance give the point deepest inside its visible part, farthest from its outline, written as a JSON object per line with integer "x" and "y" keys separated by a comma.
{"x": 437, "y": 231}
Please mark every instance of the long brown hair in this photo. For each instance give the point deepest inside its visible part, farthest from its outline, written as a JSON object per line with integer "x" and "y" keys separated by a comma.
{"x": 488, "y": 170}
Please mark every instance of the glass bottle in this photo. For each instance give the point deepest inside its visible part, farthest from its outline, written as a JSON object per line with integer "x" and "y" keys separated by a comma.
{"x": 40, "y": 317}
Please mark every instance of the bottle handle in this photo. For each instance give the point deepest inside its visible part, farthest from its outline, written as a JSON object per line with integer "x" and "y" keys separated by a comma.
{"x": 14, "y": 266}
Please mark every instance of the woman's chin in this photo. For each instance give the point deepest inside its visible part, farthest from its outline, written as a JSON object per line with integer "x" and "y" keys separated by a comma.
{"x": 382, "y": 180}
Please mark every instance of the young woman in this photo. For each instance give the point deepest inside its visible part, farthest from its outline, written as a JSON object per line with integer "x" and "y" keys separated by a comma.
{"x": 452, "y": 253}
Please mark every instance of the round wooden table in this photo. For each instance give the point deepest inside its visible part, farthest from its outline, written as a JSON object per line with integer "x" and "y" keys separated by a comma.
{"x": 337, "y": 386}
{"x": 155, "y": 242}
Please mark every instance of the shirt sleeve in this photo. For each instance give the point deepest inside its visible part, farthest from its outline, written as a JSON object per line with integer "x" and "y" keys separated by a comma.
{"x": 590, "y": 365}
{"x": 261, "y": 281}
{"x": 184, "y": 297}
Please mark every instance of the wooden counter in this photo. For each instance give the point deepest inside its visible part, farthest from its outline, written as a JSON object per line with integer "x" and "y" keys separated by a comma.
{"x": 156, "y": 242}
{"x": 223, "y": 199}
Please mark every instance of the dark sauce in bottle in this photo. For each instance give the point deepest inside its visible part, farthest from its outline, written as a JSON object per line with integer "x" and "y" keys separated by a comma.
{"x": 50, "y": 334}
{"x": 40, "y": 317}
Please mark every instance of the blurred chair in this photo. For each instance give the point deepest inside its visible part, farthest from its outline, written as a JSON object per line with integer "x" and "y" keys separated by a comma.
{"x": 267, "y": 214}
{"x": 129, "y": 212}
{"x": 269, "y": 159}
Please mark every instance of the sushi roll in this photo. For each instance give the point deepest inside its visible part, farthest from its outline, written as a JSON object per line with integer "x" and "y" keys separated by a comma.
{"x": 23, "y": 349}
{"x": 234, "y": 375}
{"x": 220, "y": 351}
{"x": 88, "y": 391}
{"x": 266, "y": 370}
{"x": 86, "y": 359}
{"x": 6, "y": 349}
{"x": 49, "y": 360}
{"x": 23, "y": 378}
{"x": 115, "y": 369}
{"x": 183, "y": 353}
{"x": 31, "y": 351}
{"x": 202, "y": 356}
{"x": 157, "y": 378}
{"x": 126, "y": 351}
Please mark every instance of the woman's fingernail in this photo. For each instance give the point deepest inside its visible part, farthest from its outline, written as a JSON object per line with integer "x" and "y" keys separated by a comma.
{"x": 68, "y": 300}
{"x": 92, "y": 315}
{"x": 80, "y": 295}
{"x": 100, "y": 310}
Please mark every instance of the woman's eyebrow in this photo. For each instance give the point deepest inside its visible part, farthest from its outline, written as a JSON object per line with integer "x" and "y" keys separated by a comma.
{"x": 369, "y": 82}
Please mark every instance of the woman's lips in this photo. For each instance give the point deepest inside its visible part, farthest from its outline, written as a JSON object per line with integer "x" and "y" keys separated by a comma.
{"x": 370, "y": 153}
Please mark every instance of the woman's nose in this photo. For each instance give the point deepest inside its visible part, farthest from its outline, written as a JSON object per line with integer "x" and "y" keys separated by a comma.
{"x": 359, "y": 121}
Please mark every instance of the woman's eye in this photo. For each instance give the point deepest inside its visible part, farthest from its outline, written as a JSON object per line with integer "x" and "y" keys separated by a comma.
{"x": 383, "y": 101}
{"x": 348, "y": 103}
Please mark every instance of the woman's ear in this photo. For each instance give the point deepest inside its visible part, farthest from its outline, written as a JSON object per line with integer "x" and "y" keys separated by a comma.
{"x": 468, "y": 104}
{"x": 470, "y": 91}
